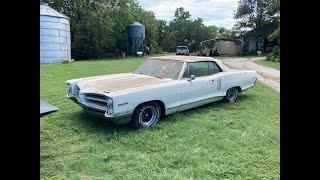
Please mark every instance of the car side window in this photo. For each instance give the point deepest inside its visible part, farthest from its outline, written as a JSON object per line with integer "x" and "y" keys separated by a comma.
{"x": 199, "y": 69}
{"x": 213, "y": 68}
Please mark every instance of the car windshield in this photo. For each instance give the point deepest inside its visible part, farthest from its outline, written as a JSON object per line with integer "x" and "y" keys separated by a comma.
{"x": 182, "y": 47}
{"x": 160, "y": 68}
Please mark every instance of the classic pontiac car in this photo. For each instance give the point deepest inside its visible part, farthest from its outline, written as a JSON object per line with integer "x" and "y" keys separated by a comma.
{"x": 158, "y": 87}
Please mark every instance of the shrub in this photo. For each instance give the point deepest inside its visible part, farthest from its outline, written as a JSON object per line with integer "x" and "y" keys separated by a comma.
{"x": 276, "y": 52}
{"x": 275, "y": 55}
{"x": 67, "y": 61}
{"x": 248, "y": 53}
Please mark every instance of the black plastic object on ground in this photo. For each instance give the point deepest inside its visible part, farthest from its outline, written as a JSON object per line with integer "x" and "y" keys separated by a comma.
{"x": 46, "y": 108}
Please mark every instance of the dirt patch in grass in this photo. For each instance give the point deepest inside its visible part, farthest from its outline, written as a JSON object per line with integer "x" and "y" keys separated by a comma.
{"x": 266, "y": 75}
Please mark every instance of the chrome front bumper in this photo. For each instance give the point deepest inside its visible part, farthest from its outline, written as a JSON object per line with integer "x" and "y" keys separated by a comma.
{"x": 117, "y": 119}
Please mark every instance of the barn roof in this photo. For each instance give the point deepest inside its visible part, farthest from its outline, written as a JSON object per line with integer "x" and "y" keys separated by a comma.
{"x": 46, "y": 10}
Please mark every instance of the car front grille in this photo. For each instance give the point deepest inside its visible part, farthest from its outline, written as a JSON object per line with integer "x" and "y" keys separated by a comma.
{"x": 77, "y": 90}
{"x": 96, "y": 101}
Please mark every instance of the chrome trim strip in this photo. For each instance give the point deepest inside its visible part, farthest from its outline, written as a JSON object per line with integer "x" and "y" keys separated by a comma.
{"x": 193, "y": 104}
{"x": 96, "y": 99}
{"x": 123, "y": 119}
{"x": 122, "y": 104}
{"x": 121, "y": 114}
{"x": 182, "y": 70}
{"x": 90, "y": 107}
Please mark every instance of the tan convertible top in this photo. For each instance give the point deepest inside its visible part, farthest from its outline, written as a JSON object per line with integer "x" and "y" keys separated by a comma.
{"x": 193, "y": 59}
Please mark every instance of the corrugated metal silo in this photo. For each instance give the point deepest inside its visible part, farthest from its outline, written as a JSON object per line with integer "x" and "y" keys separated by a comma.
{"x": 55, "y": 40}
{"x": 136, "y": 32}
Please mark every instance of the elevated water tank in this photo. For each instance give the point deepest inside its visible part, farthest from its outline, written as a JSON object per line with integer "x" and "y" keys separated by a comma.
{"x": 136, "y": 32}
{"x": 55, "y": 41}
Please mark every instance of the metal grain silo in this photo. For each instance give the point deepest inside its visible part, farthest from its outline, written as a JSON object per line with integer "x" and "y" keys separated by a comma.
{"x": 136, "y": 32}
{"x": 55, "y": 42}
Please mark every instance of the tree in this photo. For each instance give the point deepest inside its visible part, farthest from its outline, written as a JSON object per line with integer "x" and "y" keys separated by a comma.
{"x": 181, "y": 14}
{"x": 162, "y": 28}
{"x": 225, "y": 33}
{"x": 274, "y": 9}
{"x": 184, "y": 31}
{"x": 100, "y": 26}
{"x": 213, "y": 31}
{"x": 259, "y": 17}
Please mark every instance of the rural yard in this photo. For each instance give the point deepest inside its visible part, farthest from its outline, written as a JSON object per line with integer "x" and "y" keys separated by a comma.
{"x": 188, "y": 117}
{"x": 266, "y": 75}
{"x": 240, "y": 140}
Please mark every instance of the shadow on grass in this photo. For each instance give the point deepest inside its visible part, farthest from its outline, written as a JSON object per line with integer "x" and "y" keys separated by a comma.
{"x": 218, "y": 104}
{"x": 100, "y": 125}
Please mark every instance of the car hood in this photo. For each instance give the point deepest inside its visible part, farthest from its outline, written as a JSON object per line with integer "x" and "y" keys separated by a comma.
{"x": 117, "y": 82}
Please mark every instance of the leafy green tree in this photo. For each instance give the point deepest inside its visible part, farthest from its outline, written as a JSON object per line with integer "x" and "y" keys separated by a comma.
{"x": 225, "y": 33}
{"x": 275, "y": 35}
{"x": 213, "y": 31}
{"x": 274, "y": 10}
{"x": 184, "y": 31}
{"x": 162, "y": 28}
{"x": 100, "y": 26}
{"x": 259, "y": 18}
{"x": 180, "y": 13}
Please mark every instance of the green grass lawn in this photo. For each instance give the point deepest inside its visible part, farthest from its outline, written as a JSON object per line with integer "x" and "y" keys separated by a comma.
{"x": 272, "y": 64}
{"x": 216, "y": 141}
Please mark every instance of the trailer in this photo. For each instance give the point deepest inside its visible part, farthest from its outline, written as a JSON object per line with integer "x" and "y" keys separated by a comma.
{"x": 221, "y": 46}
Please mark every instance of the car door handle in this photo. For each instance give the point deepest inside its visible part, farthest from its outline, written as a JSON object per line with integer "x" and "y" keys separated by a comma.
{"x": 212, "y": 80}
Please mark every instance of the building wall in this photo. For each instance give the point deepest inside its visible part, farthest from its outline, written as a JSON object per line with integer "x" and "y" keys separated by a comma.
{"x": 55, "y": 40}
{"x": 238, "y": 49}
{"x": 252, "y": 45}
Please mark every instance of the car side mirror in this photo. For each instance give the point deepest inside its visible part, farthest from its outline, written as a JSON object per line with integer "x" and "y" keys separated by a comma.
{"x": 192, "y": 77}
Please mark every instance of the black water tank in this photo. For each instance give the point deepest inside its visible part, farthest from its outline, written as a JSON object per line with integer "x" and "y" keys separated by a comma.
{"x": 136, "y": 32}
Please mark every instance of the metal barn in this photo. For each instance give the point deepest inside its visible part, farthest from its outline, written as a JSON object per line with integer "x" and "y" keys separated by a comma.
{"x": 55, "y": 41}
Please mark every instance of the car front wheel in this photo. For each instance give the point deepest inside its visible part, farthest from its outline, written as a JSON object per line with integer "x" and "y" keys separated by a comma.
{"x": 232, "y": 95}
{"x": 146, "y": 115}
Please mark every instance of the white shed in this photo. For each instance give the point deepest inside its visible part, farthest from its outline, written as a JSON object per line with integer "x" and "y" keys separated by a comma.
{"x": 55, "y": 40}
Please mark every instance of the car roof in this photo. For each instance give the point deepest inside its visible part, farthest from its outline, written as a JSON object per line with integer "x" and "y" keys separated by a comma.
{"x": 193, "y": 59}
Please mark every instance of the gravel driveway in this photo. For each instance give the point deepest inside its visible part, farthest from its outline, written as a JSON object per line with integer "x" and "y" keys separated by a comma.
{"x": 266, "y": 75}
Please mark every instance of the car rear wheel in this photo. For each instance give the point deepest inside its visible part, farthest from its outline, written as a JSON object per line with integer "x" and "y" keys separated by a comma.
{"x": 146, "y": 115}
{"x": 232, "y": 95}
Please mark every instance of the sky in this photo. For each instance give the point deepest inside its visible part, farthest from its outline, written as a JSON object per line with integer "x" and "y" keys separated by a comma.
{"x": 212, "y": 12}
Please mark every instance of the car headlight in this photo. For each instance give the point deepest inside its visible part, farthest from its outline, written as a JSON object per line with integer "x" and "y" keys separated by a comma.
{"x": 109, "y": 110}
{"x": 69, "y": 89}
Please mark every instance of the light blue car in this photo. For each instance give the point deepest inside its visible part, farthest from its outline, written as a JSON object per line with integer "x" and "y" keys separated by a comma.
{"x": 182, "y": 50}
